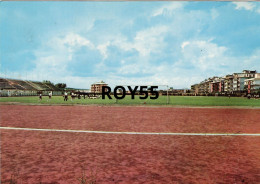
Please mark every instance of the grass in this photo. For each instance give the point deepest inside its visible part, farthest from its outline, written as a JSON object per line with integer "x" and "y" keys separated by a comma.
{"x": 162, "y": 100}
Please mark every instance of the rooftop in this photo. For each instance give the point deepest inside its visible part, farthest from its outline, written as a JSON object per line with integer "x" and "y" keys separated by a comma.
{"x": 101, "y": 82}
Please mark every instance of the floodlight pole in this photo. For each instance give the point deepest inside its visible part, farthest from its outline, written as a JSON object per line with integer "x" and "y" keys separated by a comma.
{"x": 167, "y": 96}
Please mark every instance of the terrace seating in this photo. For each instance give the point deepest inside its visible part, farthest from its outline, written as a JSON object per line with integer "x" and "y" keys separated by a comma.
{"x": 43, "y": 86}
{"x": 23, "y": 84}
{"x": 4, "y": 84}
{"x": 52, "y": 87}
{"x": 34, "y": 85}
{"x": 15, "y": 84}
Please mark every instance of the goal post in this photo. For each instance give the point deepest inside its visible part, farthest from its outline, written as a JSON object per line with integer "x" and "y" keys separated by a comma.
{"x": 135, "y": 94}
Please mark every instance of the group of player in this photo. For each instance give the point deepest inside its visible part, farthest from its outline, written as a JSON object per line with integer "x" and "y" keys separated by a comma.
{"x": 50, "y": 95}
{"x": 65, "y": 96}
{"x": 73, "y": 96}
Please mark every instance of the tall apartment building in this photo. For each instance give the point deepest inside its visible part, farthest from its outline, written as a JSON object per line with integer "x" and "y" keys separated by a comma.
{"x": 239, "y": 79}
{"x": 228, "y": 83}
{"x": 205, "y": 86}
{"x": 217, "y": 85}
{"x": 97, "y": 87}
{"x": 253, "y": 84}
{"x": 196, "y": 89}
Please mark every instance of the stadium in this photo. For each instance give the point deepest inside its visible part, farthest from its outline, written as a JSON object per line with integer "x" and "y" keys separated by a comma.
{"x": 181, "y": 102}
{"x": 87, "y": 139}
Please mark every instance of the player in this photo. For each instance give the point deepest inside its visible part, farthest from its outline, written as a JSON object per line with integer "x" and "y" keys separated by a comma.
{"x": 65, "y": 96}
{"x": 40, "y": 97}
{"x": 72, "y": 96}
{"x": 248, "y": 96}
{"x": 50, "y": 95}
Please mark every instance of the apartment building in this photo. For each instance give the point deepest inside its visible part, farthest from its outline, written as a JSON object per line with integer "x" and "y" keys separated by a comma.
{"x": 236, "y": 83}
{"x": 217, "y": 85}
{"x": 196, "y": 89}
{"x": 252, "y": 84}
{"x": 228, "y": 83}
{"x": 97, "y": 87}
{"x": 239, "y": 79}
{"x": 205, "y": 86}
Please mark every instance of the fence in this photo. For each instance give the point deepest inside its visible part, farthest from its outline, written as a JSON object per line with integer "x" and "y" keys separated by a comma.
{"x": 9, "y": 93}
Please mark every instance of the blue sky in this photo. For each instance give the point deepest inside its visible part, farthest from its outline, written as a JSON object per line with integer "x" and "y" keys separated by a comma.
{"x": 173, "y": 43}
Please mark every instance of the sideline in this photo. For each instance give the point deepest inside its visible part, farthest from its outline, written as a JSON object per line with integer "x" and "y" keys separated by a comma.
{"x": 131, "y": 133}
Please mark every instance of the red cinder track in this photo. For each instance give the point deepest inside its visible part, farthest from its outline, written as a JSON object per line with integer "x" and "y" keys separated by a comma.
{"x": 57, "y": 157}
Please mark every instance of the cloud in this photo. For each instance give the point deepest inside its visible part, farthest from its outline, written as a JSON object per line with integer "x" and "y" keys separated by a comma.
{"x": 145, "y": 42}
{"x": 252, "y": 62}
{"x": 150, "y": 40}
{"x": 244, "y": 5}
{"x": 103, "y": 49}
{"x": 168, "y": 9}
{"x": 184, "y": 44}
{"x": 202, "y": 48}
{"x": 75, "y": 40}
{"x": 56, "y": 57}
{"x": 129, "y": 69}
{"x": 66, "y": 44}
{"x": 209, "y": 59}
{"x": 204, "y": 55}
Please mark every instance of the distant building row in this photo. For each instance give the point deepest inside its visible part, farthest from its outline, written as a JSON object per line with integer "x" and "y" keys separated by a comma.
{"x": 246, "y": 82}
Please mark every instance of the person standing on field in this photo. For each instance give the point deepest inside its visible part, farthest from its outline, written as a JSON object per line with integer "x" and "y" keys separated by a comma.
{"x": 40, "y": 97}
{"x": 65, "y": 96}
{"x": 50, "y": 95}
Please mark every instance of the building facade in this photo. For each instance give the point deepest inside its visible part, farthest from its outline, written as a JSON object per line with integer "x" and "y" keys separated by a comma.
{"x": 239, "y": 79}
{"x": 97, "y": 87}
{"x": 217, "y": 85}
{"x": 228, "y": 83}
{"x": 237, "y": 83}
{"x": 253, "y": 85}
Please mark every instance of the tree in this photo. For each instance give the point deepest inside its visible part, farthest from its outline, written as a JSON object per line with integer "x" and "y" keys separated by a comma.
{"x": 47, "y": 82}
{"x": 61, "y": 85}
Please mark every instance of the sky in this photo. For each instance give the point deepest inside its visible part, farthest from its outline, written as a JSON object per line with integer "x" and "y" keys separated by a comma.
{"x": 137, "y": 43}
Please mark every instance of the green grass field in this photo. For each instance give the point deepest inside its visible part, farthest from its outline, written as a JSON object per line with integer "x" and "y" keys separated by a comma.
{"x": 162, "y": 100}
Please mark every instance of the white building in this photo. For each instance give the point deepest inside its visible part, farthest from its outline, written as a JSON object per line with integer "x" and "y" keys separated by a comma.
{"x": 253, "y": 83}
{"x": 239, "y": 79}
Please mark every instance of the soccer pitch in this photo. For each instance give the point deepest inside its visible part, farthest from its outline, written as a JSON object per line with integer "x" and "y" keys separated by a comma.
{"x": 162, "y": 100}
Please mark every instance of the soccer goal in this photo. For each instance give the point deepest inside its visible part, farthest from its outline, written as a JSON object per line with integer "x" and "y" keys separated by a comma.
{"x": 141, "y": 94}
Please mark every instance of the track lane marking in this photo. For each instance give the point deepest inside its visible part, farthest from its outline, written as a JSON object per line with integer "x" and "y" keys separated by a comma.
{"x": 131, "y": 133}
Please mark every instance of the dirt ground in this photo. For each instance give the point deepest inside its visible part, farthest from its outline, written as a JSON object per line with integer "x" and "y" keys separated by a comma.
{"x": 61, "y": 157}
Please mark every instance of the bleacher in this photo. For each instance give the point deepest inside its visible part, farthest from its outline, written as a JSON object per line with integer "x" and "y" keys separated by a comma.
{"x": 22, "y": 85}
{"x": 52, "y": 87}
{"x": 15, "y": 84}
{"x": 4, "y": 84}
{"x": 43, "y": 86}
{"x": 34, "y": 85}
